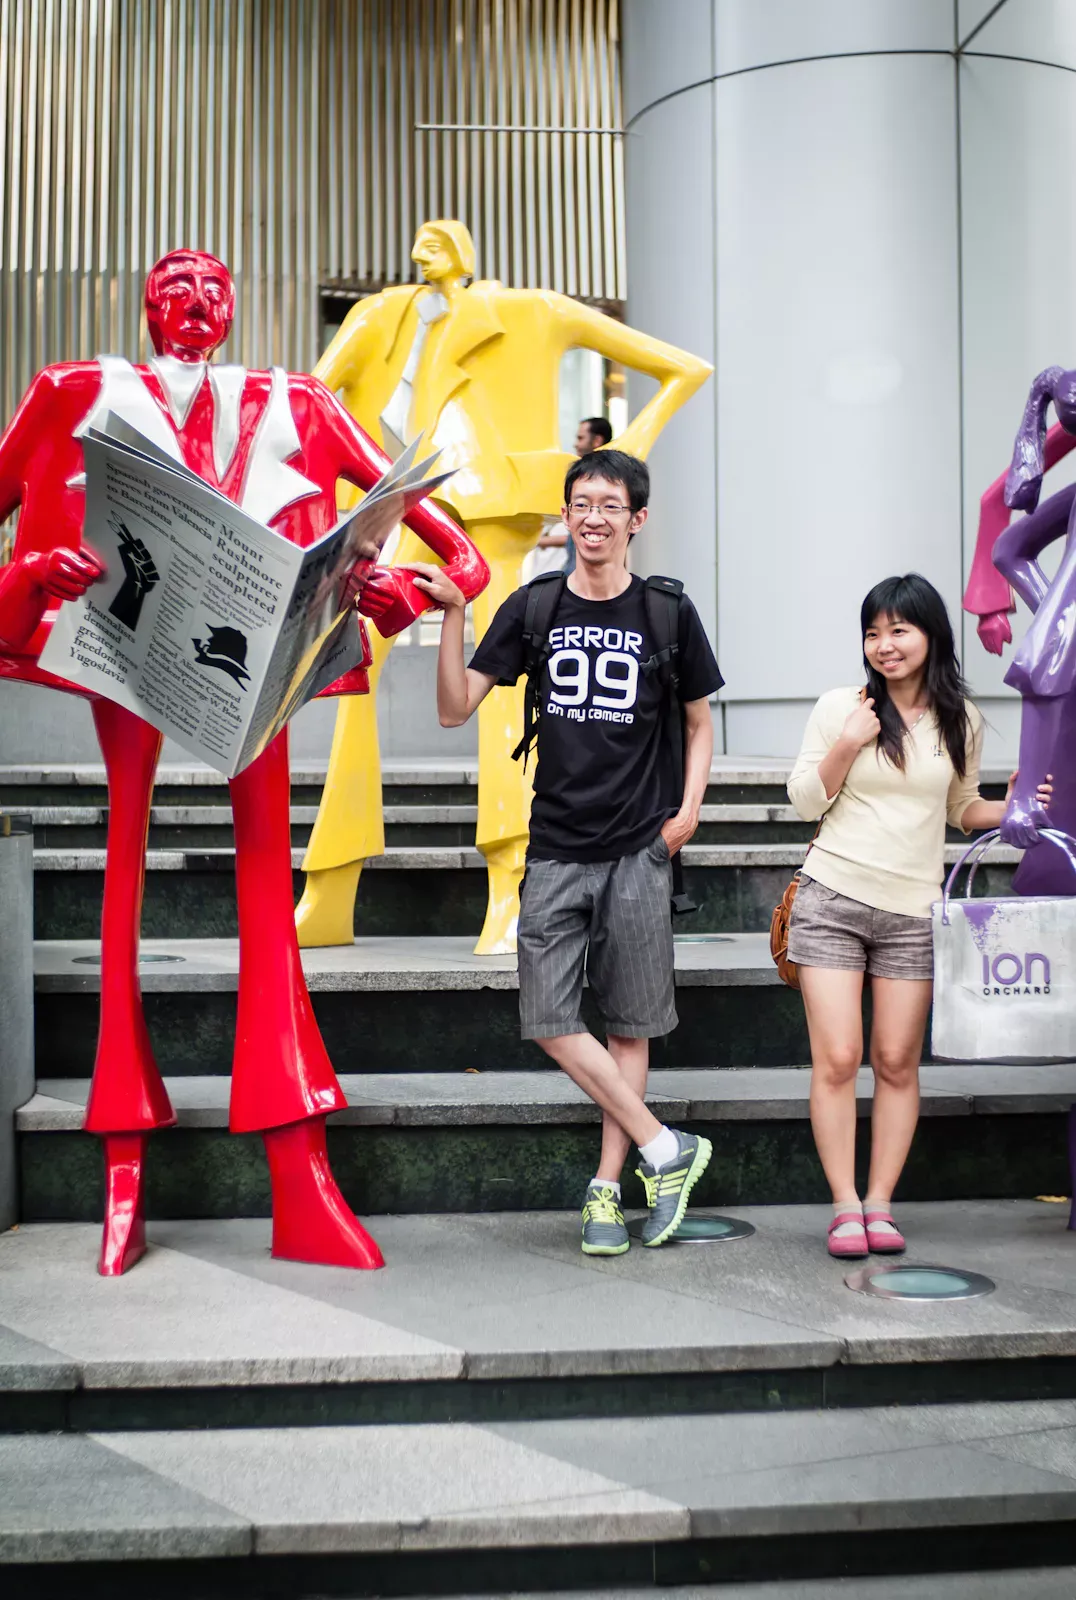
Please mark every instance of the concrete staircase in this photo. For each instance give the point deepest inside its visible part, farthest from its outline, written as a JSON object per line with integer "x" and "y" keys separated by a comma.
{"x": 494, "y": 1413}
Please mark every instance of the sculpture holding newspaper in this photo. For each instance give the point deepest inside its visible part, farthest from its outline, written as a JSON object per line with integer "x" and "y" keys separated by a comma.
{"x": 274, "y": 443}
{"x": 1044, "y": 666}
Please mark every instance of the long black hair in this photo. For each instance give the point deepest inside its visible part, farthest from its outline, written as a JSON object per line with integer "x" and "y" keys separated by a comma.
{"x": 915, "y": 600}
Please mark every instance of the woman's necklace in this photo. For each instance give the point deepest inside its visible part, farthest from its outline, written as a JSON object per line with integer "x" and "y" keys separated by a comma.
{"x": 910, "y": 727}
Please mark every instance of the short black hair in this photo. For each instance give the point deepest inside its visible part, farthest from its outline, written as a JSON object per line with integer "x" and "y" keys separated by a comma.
{"x": 616, "y": 466}
{"x": 600, "y": 428}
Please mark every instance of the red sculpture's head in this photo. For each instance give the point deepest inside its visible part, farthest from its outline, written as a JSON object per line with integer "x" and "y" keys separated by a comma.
{"x": 190, "y": 302}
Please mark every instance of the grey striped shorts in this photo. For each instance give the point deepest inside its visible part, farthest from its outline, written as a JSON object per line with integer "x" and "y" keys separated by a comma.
{"x": 611, "y": 919}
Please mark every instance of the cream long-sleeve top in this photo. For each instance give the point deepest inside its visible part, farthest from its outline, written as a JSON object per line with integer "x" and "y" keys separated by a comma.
{"x": 882, "y": 841}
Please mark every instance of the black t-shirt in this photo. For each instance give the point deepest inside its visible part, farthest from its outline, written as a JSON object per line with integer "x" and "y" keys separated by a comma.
{"x": 604, "y": 782}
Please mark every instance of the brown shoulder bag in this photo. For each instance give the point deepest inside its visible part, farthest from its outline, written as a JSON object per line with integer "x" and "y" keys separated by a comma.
{"x": 787, "y": 970}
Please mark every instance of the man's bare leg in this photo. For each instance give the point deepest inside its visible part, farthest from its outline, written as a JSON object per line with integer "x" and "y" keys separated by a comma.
{"x": 632, "y": 1057}
{"x": 591, "y": 1066}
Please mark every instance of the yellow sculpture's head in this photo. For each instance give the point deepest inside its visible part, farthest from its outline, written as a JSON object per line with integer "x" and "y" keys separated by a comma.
{"x": 444, "y": 250}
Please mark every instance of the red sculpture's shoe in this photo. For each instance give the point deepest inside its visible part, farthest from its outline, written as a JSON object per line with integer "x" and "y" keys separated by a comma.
{"x": 311, "y": 1219}
{"x": 124, "y": 1239}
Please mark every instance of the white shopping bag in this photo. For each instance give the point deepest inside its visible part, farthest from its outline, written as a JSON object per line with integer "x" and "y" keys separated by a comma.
{"x": 1005, "y": 971}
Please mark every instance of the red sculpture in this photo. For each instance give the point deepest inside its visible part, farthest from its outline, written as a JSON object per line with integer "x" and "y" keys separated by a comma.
{"x": 276, "y": 443}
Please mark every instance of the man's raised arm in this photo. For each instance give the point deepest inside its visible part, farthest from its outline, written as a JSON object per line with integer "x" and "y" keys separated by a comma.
{"x": 460, "y": 689}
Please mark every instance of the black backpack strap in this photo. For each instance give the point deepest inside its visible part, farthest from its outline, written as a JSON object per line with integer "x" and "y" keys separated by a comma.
{"x": 662, "y": 600}
{"x": 543, "y": 598}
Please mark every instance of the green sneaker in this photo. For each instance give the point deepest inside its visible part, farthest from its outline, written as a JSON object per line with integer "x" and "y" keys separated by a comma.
{"x": 668, "y": 1188}
{"x": 604, "y": 1233}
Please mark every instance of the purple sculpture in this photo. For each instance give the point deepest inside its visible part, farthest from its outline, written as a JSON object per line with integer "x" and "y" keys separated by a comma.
{"x": 1044, "y": 666}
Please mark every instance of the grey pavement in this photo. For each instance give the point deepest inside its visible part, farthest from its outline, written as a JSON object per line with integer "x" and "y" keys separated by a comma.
{"x": 65, "y": 1498}
{"x": 458, "y": 1486}
{"x": 528, "y": 1099}
{"x": 510, "y": 1296}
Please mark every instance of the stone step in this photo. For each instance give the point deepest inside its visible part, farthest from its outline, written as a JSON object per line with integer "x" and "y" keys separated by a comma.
{"x": 1013, "y": 1583}
{"x": 70, "y": 826}
{"x": 411, "y": 890}
{"x": 495, "y": 1410}
{"x": 1010, "y": 1583}
{"x": 398, "y": 1509}
{"x": 512, "y": 1141}
{"x": 402, "y": 1004}
{"x": 193, "y": 827}
{"x": 504, "y": 1299}
{"x": 759, "y": 785}
{"x": 398, "y": 1004}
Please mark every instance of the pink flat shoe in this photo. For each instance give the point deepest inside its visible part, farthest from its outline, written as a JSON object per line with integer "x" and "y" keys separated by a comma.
{"x": 849, "y": 1244}
{"x": 881, "y": 1241}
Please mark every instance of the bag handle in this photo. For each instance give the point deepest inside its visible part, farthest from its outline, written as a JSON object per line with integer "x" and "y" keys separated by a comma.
{"x": 981, "y": 847}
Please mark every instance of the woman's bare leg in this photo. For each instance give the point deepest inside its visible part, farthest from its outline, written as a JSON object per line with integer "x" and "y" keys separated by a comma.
{"x": 901, "y": 1007}
{"x": 833, "y": 1000}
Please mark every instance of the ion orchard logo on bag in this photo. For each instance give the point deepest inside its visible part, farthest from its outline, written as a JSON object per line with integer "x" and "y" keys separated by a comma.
{"x": 1011, "y": 974}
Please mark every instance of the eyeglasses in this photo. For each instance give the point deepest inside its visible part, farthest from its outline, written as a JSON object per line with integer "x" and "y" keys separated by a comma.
{"x": 579, "y": 508}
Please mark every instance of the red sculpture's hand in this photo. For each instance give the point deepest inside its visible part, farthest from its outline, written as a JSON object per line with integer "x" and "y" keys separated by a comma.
{"x": 995, "y": 631}
{"x": 463, "y": 565}
{"x": 64, "y": 574}
{"x": 463, "y": 562}
{"x": 28, "y": 584}
{"x": 376, "y": 596}
{"x": 391, "y": 601}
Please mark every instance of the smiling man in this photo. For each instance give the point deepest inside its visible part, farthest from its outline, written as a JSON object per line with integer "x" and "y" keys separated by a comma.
{"x": 612, "y": 805}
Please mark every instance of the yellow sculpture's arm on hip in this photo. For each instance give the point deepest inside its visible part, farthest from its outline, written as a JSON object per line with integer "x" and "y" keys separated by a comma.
{"x": 679, "y": 373}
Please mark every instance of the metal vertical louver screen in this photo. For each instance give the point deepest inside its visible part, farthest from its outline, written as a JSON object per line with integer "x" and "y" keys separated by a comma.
{"x": 303, "y": 141}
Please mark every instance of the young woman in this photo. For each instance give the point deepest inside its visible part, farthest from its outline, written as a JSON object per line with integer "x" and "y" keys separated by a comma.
{"x": 885, "y": 768}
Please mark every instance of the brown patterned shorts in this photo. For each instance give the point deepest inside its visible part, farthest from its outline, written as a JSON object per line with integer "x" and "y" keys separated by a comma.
{"x": 828, "y": 929}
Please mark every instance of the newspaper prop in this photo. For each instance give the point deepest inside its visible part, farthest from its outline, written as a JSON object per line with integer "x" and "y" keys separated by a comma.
{"x": 207, "y": 624}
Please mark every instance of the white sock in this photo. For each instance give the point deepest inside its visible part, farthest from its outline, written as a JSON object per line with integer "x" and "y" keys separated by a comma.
{"x": 664, "y": 1146}
{"x": 847, "y": 1208}
{"x": 880, "y": 1205}
{"x": 605, "y": 1183}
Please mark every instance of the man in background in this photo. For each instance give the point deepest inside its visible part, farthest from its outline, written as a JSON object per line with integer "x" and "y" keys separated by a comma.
{"x": 591, "y": 434}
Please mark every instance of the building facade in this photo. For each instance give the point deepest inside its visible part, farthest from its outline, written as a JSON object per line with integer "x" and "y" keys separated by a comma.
{"x": 302, "y": 141}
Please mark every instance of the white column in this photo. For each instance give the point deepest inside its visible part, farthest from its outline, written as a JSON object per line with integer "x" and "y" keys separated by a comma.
{"x": 792, "y": 215}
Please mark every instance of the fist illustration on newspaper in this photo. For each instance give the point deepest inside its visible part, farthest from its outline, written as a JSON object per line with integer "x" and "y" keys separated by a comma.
{"x": 140, "y": 575}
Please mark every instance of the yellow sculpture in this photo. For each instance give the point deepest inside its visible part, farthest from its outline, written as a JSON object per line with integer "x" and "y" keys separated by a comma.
{"x": 475, "y": 369}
